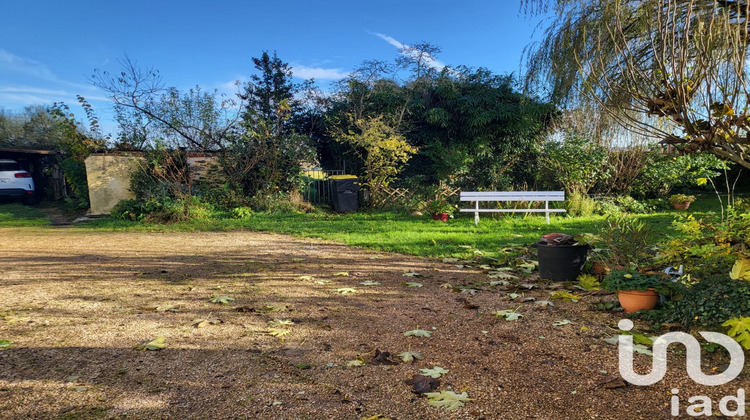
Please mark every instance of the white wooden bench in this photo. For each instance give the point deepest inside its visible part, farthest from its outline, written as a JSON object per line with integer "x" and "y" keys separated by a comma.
{"x": 480, "y": 196}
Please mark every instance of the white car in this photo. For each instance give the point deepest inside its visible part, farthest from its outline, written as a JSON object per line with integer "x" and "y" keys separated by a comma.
{"x": 15, "y": 182}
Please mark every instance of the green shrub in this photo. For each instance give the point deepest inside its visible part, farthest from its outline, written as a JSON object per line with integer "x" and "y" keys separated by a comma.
{"x": 710, "y": 302}
{"x": 627, "y": 240}
{"x": 707, "y": 246}
{"x": 241, "y": 212}
{"x": 281, "y": 202}
{"x": 579, "y": 204}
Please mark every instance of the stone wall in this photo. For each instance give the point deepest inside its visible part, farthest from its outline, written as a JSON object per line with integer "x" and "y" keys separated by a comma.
{"x": 109, "y": 175}
{"x": 109, "y": 179}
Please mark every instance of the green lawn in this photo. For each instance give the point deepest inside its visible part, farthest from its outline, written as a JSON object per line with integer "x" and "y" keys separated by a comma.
{"x": 16, "y": 214}
{"x": 401, "y": 232}
{"x": 387, "y": 230}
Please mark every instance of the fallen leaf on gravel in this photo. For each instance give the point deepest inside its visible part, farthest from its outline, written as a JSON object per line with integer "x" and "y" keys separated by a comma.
{"x": 276, "y": 323}
{"x": 322, "y": 281}
{"x": 527, "y": 285}
{"x": 560, "y": 323}
{"x": 435, "y": 372}
{"x": 412, "y": 274}
{"x": 224, "y": 300}
{"x": 344, "y": 290}
{"x": 412, "y": 284}
{"x": 450, "y": 260}
{"x": 166, "y": 308}
{"x": 422, "y": 384}
{"x": 274, "y": 308}
{"x": 499, "y": 283}
{"x": 418, "y": 333}
{"x": 508, "y": 314}
{"x": 446, "y": 286}
{"x": 4, "y": 344}
{"x": 378, "y": 357}
{"x": 447, "y": 399}
{"x": 278, "y": 332}
{"x": 501, "y": 275}
{"x": 565, "y": 296}
{"x": 545, "y": 303}
{"x": 469, "y": 291}
{"x": 376, "y": 257}
{"x": 296, "y": 260}
{"x": 614, "y": 383}
{"x": 302, "y": 366}
{"x": 341, "y": 274}
{"x": 156, "y": 344}
{"x": 305, "y": 278}
{"x": 200, "y": 323}
{"x": 409, "y": 356}
{"x": 528, "y": 299}
{"x": 356, "y": 362}
{"x": 370, "y": 283}
{"x": 376, "y": 417}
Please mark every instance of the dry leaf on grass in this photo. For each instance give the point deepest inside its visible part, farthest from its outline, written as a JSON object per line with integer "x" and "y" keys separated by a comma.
{"x": 156, "y": 344}
{"x": 224, "y": 300}
{"x": 200, "y": 323}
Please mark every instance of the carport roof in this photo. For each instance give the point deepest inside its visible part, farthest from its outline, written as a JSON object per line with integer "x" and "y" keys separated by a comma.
{"x": 28, "y": 151}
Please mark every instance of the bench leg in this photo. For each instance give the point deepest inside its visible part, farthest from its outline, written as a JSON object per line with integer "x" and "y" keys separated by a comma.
{"x": 546, "y": 210}
{"x": 476, "y": 213}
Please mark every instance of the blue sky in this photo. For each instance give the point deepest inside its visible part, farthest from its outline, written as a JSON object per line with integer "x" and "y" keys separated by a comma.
{"x": 49, "y": 48}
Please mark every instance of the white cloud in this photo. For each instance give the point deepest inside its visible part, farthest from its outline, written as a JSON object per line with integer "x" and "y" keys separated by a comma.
{"x": 318, "y": 73}
{"x": 25, "y": 66}
{"x": 391, "y": 40}
{"x": 39, "y": 96}
{"x": 407, "y": 50}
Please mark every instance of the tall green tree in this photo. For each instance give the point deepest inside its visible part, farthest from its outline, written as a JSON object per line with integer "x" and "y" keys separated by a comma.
{"x": 672, "y": 69}
{"x": 265, "y": 153}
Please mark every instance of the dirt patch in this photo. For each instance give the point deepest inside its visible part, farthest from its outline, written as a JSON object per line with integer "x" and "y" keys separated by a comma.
{"x": 74, "y": 304}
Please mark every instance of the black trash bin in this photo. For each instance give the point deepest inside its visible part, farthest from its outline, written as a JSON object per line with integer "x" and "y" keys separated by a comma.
{"x": 345, "y": 191}
{"x": 561, "y": 262}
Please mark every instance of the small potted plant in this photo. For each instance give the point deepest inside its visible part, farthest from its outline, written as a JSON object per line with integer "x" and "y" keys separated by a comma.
{"x": 636, "y": 291}
{"x": 681, "y": 201}
{"x": 440, "y": 209}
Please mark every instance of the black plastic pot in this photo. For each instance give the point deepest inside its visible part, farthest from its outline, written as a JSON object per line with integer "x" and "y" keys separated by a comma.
{"x": 561, "y": 262}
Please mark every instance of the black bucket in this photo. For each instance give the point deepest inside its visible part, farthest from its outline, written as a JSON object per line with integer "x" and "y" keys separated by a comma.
{"x": 561, "y": 262}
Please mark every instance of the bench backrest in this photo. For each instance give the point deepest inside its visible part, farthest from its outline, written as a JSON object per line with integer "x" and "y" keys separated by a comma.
{"x": 513, "y": 196}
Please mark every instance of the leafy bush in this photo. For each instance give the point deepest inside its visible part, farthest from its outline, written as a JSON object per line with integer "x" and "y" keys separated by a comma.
{"x": 223, "y": 196}
{"x": 710, "y": 302}
{"x": 575, "y": 163}
{"x": 628, "y": 241}
{"x": 707, "y": 246}
{"x": 627, "y": 204}
{"x": 75, "y": 174}
{"x": 664, "y": 172}
{"x": 241, "y": 212}
{"x": 579, "y": 204}
{"x": 281, "y": 202}
{"x": 632, "y": 280}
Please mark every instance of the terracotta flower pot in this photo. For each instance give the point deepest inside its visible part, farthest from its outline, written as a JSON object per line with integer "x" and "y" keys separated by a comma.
{"x": 681, "y": 206}
{"x": 443, "y": 217}
{"x": 635, "y": 300}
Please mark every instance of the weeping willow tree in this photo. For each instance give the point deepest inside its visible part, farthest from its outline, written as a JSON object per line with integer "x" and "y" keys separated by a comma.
{"x": 673, "y": 69}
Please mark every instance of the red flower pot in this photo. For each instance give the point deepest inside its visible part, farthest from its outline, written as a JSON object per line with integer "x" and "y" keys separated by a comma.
{"x": 681, "y": 206}
{"x": 443, "y": 217}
